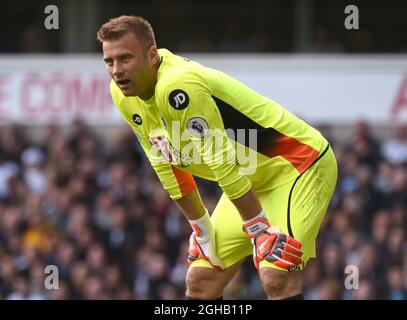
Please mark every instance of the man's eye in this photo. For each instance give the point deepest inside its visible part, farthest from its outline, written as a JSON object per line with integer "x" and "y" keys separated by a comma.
{"x": 126, "y": 58}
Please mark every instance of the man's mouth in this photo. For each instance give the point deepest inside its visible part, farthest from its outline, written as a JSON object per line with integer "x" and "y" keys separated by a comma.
{"x": 123, "y": 83}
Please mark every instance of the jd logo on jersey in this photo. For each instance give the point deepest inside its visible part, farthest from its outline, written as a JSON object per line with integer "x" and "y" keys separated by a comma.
{"x": 178, "y": 99}
{"x": 137, "y": 119}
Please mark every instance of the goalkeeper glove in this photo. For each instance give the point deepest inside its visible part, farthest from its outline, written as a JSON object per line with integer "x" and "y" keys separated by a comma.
{"x": 272, "y": 245}
{"x": 202, "y": 242}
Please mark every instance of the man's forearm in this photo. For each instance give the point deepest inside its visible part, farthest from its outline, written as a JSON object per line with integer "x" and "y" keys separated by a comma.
{"x": 191, "y": 205}
{"x": 248, "y": 205}
{"x": 193, "y": 208}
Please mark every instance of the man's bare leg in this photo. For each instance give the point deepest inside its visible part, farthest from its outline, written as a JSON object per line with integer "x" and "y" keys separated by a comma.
{"x": 207, "y": 283}
{"x": 280, "y": 284}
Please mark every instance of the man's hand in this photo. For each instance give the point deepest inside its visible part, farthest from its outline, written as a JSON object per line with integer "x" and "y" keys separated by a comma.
{"x": 277, "y": 248}
{"x": 202, "y": 241}
{"x": 204, "y": 248}
{"x": 272, "y": 245}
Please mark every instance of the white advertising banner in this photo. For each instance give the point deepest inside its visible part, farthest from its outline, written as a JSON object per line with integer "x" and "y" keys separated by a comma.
{"x": 39, "y": 90}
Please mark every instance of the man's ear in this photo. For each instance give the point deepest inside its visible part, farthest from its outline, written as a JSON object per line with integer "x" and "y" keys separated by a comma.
{"x": 153, "y": 55}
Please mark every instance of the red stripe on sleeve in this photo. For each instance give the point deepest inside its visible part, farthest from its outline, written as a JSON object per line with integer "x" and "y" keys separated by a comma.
{"x": 185, "y": 180}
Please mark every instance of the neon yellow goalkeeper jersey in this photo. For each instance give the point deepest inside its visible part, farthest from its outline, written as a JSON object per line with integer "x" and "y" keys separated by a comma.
{"x": 201, "y": 122}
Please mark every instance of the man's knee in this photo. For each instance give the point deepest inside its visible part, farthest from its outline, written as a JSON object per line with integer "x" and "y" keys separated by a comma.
{"x": 204, "y": 284}
{"x": 280, "y": 284}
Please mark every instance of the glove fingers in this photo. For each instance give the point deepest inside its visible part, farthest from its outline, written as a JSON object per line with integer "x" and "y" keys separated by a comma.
{"x": 255, "y": 258}
{"x": 290, "y": 258}
{"x": 292, "y": 242}
{"x": 265, "y": 244}
{"x": 290, "y": 249}
{"x": 193, "y": 251}
{"x": 279, "y": 249}
{"x": 282, "y": 263}
{"x": 191, "y": 259}
{"x": 279, "y": 261}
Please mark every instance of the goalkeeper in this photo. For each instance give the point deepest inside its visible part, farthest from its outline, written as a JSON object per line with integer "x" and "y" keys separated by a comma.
{"x": 277, "y": 172}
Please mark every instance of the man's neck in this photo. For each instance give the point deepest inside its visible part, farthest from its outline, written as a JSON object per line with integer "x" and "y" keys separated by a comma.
{"x": 150, "y": 93}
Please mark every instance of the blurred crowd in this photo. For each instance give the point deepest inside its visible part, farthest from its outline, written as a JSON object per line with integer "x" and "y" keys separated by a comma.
{"x": 97, "y": 211}
{"x": 213, "y": 26}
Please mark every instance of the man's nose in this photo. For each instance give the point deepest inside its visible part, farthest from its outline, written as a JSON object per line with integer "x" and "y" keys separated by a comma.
{"x": 117, "y": 69}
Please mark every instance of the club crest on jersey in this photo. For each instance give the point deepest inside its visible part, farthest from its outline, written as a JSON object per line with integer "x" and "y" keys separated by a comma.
{"x": 137, "y": 119}
{"x": 178, "y": 99}
{"x": 197, "y": 126}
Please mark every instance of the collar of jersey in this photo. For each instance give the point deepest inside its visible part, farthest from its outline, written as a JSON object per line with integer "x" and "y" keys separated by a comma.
{"x": 148, "y": 103}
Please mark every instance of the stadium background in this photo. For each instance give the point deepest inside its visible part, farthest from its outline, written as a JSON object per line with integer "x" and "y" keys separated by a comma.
{"x": 76, "y": 191}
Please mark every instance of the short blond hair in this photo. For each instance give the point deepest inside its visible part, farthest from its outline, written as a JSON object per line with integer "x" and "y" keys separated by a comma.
{"x": 115, "y": 28}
